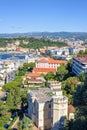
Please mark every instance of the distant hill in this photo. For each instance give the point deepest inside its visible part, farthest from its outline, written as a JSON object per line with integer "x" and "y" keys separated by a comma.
{"x": 30, "y": 42}
{"x": 45, "y": 34}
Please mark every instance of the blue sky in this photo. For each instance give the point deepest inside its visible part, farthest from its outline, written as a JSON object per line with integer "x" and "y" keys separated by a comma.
{"x": 43, "y": 15}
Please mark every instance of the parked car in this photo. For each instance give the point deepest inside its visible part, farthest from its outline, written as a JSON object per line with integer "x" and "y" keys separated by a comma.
{"x": 13, "y": 116}
{"x": 6, "y": 126}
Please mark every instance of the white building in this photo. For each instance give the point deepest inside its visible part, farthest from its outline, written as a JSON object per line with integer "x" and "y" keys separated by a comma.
{"x": 47, "y": 107}
{"x": 79, "y": 65}
{"x": 75, "y": 50}
{"x": 49, "y": 63}
{"x": 58, "y": 51}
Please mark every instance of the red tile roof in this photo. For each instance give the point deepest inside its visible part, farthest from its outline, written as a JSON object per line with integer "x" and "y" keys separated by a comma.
{"x": 51, "y": 61}
{"x": 34, "y": 74}
{"x": 35, "y": 81}
{"x": 44, "y": 70}
{"x": 82, "y": 59}
{"x": 71, "y": 109}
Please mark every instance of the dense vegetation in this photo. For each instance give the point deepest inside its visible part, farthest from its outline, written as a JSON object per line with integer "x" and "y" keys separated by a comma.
{"x": 30, "y": 42}
{"x": 25, "y": 124}
{"x": 40, "y": 43}
{"x": 82, "y": 53}
{"x": 80, "y": 102}
{"x": 5, "y": 41}
{"x": 16, "y": 95}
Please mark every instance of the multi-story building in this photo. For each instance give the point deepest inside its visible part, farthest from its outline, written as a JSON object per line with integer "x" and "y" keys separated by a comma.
{"x": 49, "y": 63}
{"x": 33, "y": 80}
{"x": 79, "y": 65}
{"x": 47, "y": 107}
{"x": 76, "y": 49}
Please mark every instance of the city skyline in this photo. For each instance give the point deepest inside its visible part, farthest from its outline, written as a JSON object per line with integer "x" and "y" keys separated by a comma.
{"x": 40, "y": 16}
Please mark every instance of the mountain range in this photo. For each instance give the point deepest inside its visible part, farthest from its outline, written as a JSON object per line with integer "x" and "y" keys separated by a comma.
{"x": 44, "y": 34}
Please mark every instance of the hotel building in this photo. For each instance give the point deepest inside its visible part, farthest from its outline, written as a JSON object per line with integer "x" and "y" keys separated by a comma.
{"x": 79, "y": 65}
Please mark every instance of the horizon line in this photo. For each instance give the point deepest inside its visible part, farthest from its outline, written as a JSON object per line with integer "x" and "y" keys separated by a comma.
{"x": 44, "y": 32}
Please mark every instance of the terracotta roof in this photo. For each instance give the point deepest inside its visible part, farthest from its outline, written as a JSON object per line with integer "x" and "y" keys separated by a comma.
{"x": 44, "y": 70}
{"x": 34, "y": 74}
{"x": 35, "y": 81}
{"x": 71, "y": 109}
{"x": 57, "y": 62}
{"x": 44, "y": 59}
{"x": 51, "y": 61}
{"x": 82, "y": 59}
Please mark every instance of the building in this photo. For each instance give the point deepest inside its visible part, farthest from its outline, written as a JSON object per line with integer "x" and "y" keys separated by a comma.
{"x": 79, "y": 65}
{"x": 44, "y": 70}
{"x": 76, "y": 49}
{"x": 47, "y": 107}
{"x": 71, "y": 112}
{"x": 58, "y": 51}
{"x": 33, "y": 80}
{"x": 49, "y": 63}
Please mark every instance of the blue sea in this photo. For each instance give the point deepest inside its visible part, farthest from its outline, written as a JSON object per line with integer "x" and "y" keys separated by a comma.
{"x": 11, "y": 56}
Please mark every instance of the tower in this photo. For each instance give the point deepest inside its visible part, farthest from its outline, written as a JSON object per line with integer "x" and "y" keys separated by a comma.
{"x": 59, "y": 110}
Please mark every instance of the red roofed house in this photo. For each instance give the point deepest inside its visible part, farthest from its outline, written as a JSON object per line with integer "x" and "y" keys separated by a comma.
{"x": 34, "y": 79}
{"x": 44, "y": 70}
{"x": 71, "y": 111}
{"x": 46, "y": 65}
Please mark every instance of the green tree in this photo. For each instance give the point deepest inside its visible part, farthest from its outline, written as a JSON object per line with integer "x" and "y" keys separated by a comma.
{"x": 29, "y": 65}
{"x": 86, "y": 51}
{"x": 50, "y": 76}
{"x": 80, "y": 101}
{"x": 81, "y": 77}
{"x": 61, "y": 72}
{"x": 3, "y": 109}
{"x": 12, "y": 85}
{"x": 9, "y": 101}
{"x": 81, "y": 53}
{"x": 69, "y": 87}
{"x": 71, "y": 84}
{"x": 14, "y": 98}
{"x": 69, "y": 66}
{"x": 25, "y": 124}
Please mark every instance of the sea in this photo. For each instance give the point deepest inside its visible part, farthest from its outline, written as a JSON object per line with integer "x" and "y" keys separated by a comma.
{"x": 11, "y": 56}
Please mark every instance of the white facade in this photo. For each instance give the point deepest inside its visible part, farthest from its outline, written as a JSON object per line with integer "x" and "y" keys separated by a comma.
{"x": 49, "y": 63}
{"x": 75, "y": 50}
{"x": 46, "y": 65}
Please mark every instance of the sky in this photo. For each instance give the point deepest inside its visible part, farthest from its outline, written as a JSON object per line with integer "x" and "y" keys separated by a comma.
{"x": 43, "y": 15}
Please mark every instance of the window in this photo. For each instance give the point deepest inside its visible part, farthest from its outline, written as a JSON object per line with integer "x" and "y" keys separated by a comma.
{"x": 49, "y": 114}
{"x": 49, "y": 105}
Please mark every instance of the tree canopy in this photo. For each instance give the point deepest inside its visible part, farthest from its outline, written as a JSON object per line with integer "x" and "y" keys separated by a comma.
{"x": 40, "y": 43}
{"x": 50, "y": 76}
{"x": 80, "y": 101}
{"x": 61, "y": 72}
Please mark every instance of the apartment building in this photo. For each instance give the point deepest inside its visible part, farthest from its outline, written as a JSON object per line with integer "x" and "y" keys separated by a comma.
{"x": 76, "y": 49}
{"x": 47, "y": 107}
{"x": 79, "y": 65}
